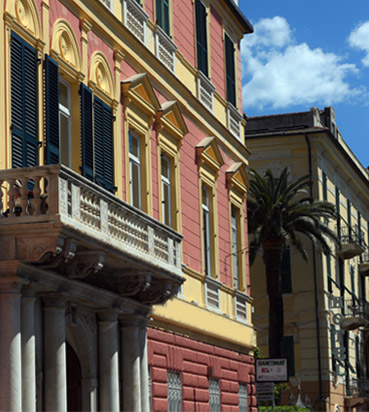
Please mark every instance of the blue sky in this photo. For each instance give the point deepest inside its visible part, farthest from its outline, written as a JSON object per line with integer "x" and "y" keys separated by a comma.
{"x": 309, "y": 53}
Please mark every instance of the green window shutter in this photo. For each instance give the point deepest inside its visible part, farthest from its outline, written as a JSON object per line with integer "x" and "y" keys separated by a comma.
{"x": 230, "y": 71}
{"x": 286, "y": 271}
{"x": 86, "y": 133}
{"x": 289, "y": 353}
{"x": 24, "y": 103}
{"x": 329, "y": 273}
{"x": 201, "y": 38}
{"x": 162, "y": 14}
{"x": 103, "y": 145}
{"x": 52, "y": 110}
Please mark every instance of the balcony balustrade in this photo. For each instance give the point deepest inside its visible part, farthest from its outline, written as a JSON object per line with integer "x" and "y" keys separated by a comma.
{"x": 54, "y": 218}
{"x": 234, "y": 121}
{"x": 205, "y": 91}
{"x": 352, "y": 243}
{"x": 135, "y": 19}
{"x": 356, "y": 314}
{"x": 165, "y": 49}
{"x": 359, "y": 393}
{"x": 364, "y": 264}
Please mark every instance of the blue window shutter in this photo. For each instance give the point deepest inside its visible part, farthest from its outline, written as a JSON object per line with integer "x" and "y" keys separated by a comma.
{"x": 162, "y": 14}
{"x": 52, "y": 110}
{"x": 24, "y": 103}
{"x": 230, "y": 71}
{"x": 103, "y": 145}
{"x": 201, "y": 38}
{"x": 86, "y": 133}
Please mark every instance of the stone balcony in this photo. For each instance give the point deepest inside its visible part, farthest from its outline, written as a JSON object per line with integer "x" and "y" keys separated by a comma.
{"x": 56, "y": 220}
{"x": 364, "y": 264}
{"x": 351, "y": 242}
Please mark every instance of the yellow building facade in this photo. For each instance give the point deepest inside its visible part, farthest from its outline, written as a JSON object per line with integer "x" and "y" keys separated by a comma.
{"x": 325, "y": 300}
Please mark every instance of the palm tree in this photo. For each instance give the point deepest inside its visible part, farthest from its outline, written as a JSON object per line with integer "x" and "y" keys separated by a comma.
{"x": 280, "y": 212}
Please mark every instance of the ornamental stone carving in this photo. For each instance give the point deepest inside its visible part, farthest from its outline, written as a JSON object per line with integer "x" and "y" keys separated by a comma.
{"x": 101, "y": 75}
{"x": 159, "y": 292}
{"x": 85, "y": 263}
{"x": 131, "y": 283}
{"x": 25, "y": 13}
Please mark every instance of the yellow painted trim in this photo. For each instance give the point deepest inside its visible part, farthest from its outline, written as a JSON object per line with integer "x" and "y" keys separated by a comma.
{"x": 101, "y": 78}
{"x": 26, "y": 15}
{"x": 200, "y": 320}
{"x": 85, "y": 28}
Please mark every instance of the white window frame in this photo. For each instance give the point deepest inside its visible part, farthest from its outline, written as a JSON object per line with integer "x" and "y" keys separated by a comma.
{"x": 134, "y": 160}
{"x": 205, "y": 209}
{"x": 166, "y": 182}
{"x": 66, "y": 112}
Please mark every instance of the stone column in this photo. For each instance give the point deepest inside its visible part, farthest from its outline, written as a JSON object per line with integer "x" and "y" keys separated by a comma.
{"x": 108, "y": 361}
{"x": 55, "y": 364}
{"x": 131, "y": 362}
{"x": 144, "y": 366}
{"x": 28, "y": 350}
{"x": 10, "y": 339}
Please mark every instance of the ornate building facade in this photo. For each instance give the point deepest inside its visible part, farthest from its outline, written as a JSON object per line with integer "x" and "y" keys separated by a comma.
{"x": 124, "y": 281}
{"x": 325, "y": 300}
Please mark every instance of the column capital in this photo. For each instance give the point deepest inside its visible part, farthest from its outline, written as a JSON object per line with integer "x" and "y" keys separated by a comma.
{"x": 56, "y": 300}
{"x": 9, "y": 281}
{"x": 107, "y": 315}
{"x": 119, "y": 56}
{"x": 140, "y": 321}
{"x": 28, "y": 291}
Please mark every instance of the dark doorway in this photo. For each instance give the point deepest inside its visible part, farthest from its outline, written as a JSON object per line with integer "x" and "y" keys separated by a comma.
{"x": 74, "y": 391}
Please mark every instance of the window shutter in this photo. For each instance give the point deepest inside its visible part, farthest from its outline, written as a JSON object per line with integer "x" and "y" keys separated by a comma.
{"x": 201, "y": 38}
{"x": 86, "y": 133}
{"x": 165, "y": 17}
{"x": 52, "y": 110}
{"x": 24, "y": 103}
{"x": 159, "y": 12}
{"x": 103, "y": 145}
{"x": 230, "y": 70}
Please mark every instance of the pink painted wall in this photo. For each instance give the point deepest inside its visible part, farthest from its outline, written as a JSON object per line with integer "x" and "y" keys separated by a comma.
{"x": 149, "y": 7}
{"x": 59, "y": 11}
{"x": 183, "y": 29}
{"x": 197, "y": 362}
{"x": 217, "y": 52}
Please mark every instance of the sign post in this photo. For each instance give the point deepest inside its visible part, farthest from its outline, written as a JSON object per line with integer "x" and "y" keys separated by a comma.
{"x": 271, "y": 370}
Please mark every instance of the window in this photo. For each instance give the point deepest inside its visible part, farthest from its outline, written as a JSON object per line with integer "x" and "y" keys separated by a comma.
{"x": 65, "y": 123}
{"x": 289, "y": 353}
{"x": 235, "y": 246}
{"x": 206, "y": 230}
{"x": 325, "y": 188}
{"x": 286, "y": 271}
{"x": 329, "y": 273}
{"x": 230, "y": 70}
{"x": 201, "y": 37}
{"x": 97, "y": 140}
{"x": 243, "y": 403}
{"x": 174, "y": 392}
{"x": 24, "y": 103}
{"x": 162, "y": 15}
{"x": 214, "y": 395}
{"x": 135, "y": 195}
{"x": 166, "y": 190}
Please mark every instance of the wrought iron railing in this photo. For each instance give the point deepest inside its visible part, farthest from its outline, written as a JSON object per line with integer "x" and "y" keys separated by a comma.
{"x": 359, "y": 388}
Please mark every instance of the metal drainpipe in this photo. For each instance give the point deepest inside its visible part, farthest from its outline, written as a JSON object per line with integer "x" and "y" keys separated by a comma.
{"x": 316, "y": 299}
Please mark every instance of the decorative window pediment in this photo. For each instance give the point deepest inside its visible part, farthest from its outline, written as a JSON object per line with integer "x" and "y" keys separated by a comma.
{"x": 170, "y": 118}
{"x": 137, "y": 89}
{"x": 64, "y": 48}
{"x": 236, "y": 178}
{"x": 101, "y": 77}
{"x": 24, "y": 18}
{"x": 208, "y": 153}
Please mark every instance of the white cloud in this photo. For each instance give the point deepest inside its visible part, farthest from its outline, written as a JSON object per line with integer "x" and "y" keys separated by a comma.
{"x": 280, "y": 73}
{"x": 359, "y": 38}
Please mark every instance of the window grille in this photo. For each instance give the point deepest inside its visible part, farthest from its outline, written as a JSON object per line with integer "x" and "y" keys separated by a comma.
{"x": 243, "y": 403}
{"x": 174, "y": 392}
{"x": 214, "y": 395}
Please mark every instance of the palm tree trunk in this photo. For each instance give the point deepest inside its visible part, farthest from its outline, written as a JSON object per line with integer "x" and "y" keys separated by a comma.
{"x": 273, "y": 258}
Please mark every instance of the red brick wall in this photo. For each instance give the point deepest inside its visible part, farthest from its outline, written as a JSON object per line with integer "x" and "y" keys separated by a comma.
{"x": 197, "y": 362}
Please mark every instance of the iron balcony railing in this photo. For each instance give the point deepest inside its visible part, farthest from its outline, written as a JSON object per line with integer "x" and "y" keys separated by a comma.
{"x": 356, "y": 307}
{"x": 359, "y": 388}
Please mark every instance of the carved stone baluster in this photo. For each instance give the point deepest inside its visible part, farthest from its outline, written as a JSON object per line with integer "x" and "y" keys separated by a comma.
{"x": 170, "y": 251}
{"x": 53, "y": 194}
{"x": 37, "y": 198}
{"x": 76, "y": 202}
{"x": 151, "y": 240}
{"x": 24, "y": 196}
{"x": 11, "y": 197}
